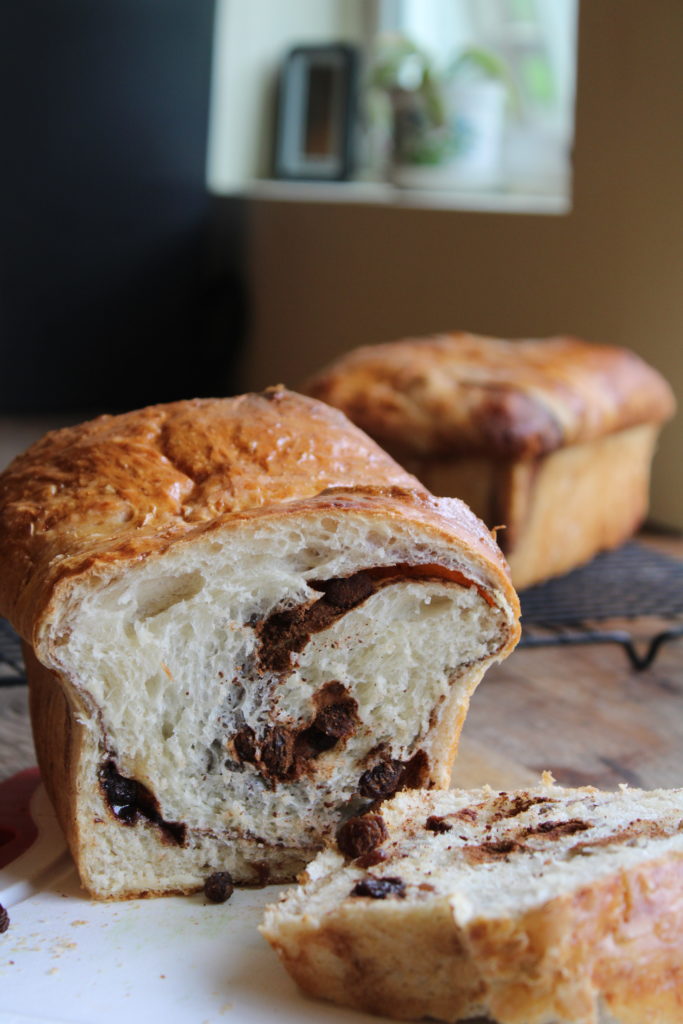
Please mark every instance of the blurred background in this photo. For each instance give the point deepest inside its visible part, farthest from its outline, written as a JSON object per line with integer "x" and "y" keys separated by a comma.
{"x": 204, "y": 196}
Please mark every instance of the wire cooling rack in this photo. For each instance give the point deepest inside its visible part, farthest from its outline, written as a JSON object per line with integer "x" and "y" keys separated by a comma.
{"x": 11, "y": 660}
{"x": 629, "y": 583}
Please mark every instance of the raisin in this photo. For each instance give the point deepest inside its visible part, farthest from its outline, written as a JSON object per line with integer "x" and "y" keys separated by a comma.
{"x": 346, "y": 593}
{"x": 276, "y": 752}
{"x": 129, "y": 799}
{"x": 4, "y": 919}
{"x": 281, "y": 634}
{"x": 244, "y": 743}
{"x": 381, "y": 781}
{"x": 330, "y": 725}
{"x": 218, "y": 887}
{"x": 555, "y": 829}
{"x": 416, "y": 771}
{"x": 121, "y": 793}
{"x": 337, "y": 720}
{"x": 359, "y": 836}
{"x": 501, "y": 847}
{"x": 379, "y": 888}
{"x": 128, "y": 813}
{"x": 369, "y": 860}
{"x": 312, "y": 742}
{"x": 436, "y": 824}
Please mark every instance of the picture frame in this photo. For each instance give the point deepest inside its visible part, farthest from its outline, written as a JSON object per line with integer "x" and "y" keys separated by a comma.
{"x": 316, "y": 114}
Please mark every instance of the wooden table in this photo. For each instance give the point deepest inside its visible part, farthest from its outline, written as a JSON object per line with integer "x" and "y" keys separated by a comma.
{"x": 581, "y": 712}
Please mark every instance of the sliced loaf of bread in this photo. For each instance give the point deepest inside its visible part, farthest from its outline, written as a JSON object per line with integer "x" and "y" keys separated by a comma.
{"x": 533, "y": 907}
{"x": 242, "y": 620}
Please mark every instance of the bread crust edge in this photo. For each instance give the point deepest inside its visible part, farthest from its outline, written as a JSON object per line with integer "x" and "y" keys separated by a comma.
{"x": 615, "y": 943}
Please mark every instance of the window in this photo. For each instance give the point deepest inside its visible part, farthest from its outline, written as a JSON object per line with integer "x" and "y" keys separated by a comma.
{"x": 529, "y": 47}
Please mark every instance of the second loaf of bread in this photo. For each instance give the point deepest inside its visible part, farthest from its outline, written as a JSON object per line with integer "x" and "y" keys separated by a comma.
{"x": 552, "y": 438}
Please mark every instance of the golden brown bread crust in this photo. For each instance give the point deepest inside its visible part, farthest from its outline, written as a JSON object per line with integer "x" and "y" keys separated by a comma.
{"x": 485, "y": 918}
{"x": 577, "y": 501}
{"x": 463, "y": 394}
{"x": 560, "y": 509}
{"x": 59, "y": 736}
{"x": 90, "y": 498}
{"x": 620, "y": 937}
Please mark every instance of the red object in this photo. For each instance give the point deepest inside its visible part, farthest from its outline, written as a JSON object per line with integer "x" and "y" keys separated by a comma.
{"x": 17, "y": 828}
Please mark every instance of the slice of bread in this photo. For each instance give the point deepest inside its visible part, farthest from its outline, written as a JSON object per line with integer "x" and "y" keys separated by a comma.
{"x": 532, "y": 906}
{"x": 243, "y": 620}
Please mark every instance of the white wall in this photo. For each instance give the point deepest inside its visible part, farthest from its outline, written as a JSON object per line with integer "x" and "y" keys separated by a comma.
{"x": 252, "y": 37}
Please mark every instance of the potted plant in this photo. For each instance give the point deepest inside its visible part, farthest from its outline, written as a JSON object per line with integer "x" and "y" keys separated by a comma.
{"x": 446, "y": 127}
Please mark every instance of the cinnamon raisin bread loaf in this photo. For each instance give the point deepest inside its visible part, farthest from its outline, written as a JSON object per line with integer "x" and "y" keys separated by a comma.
{"x": 551, "y": 438}
{"x": 242, "y": 620}
{"x": 531, "y": 907}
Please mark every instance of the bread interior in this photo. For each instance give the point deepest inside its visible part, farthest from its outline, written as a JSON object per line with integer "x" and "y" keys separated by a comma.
{"x": 495, "y": 856}
{"x": 232, "y": 686}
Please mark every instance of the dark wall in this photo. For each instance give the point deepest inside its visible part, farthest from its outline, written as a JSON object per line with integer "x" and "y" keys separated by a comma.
{"x": 105, "y": 296}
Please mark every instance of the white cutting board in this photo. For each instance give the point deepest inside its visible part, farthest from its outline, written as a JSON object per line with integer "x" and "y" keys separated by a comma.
{"x": 66, "y": 958}
{"x": 176, "y": 960}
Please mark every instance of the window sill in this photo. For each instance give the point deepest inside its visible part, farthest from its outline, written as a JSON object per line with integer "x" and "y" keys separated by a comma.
{"x": 384, "y": 194}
